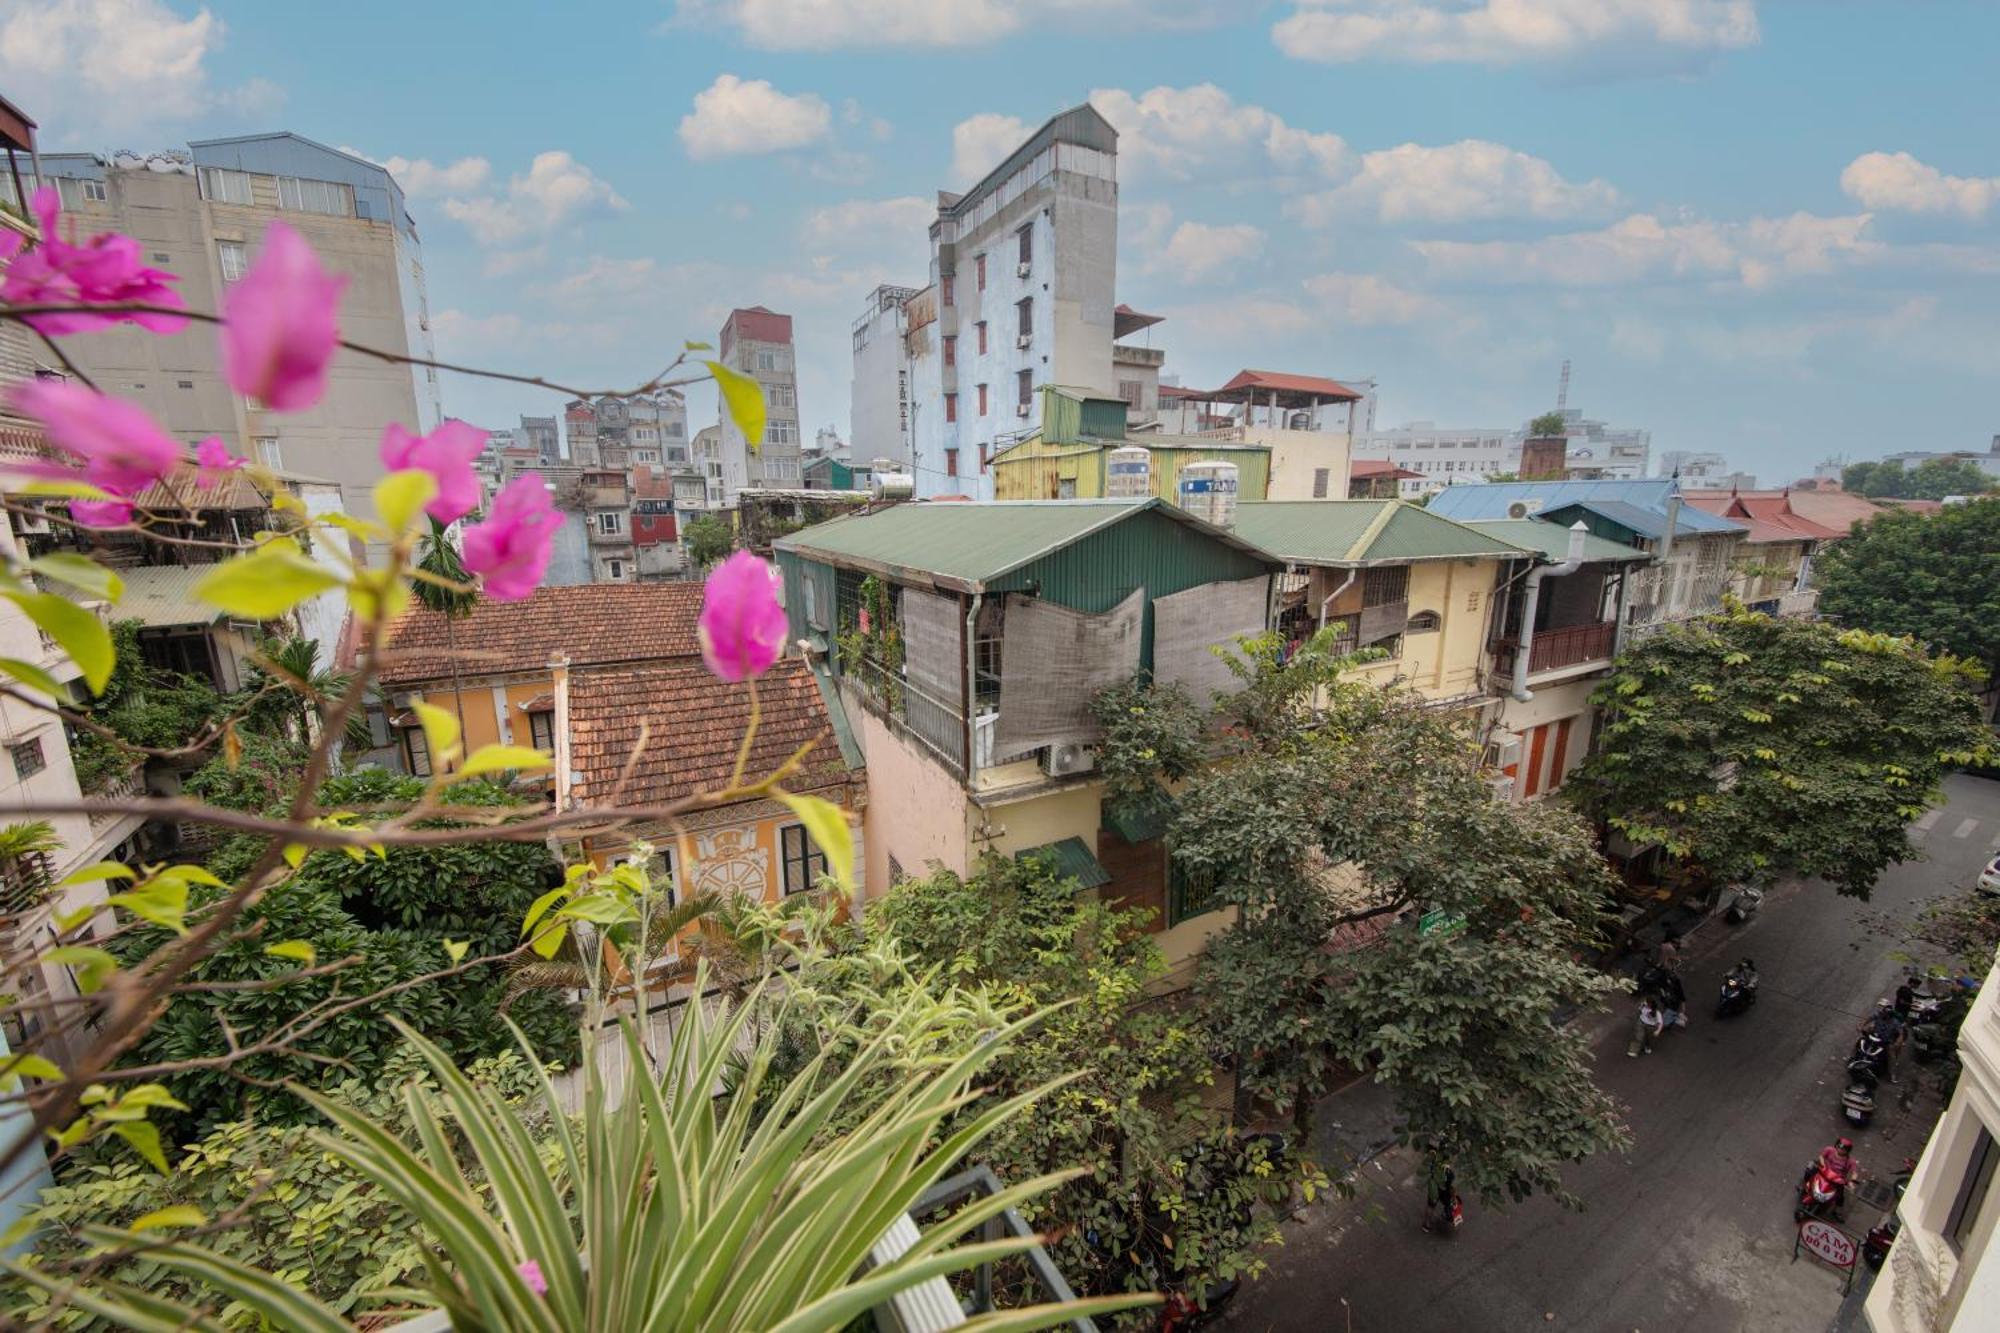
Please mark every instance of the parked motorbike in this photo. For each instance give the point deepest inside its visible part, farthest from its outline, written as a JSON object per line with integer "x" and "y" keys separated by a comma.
{"x": 1865, "y": 1070}
{"x": 1934, "y": 1024}
{"x": 1822, "y": 1194}
{"x": 1857, "y": 1104}
{"x": 1875, "y": 1246}
{"x": 1740, "y": 902}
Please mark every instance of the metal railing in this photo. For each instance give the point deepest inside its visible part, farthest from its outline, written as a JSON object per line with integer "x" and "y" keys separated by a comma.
{"x": 1557, "y": 649}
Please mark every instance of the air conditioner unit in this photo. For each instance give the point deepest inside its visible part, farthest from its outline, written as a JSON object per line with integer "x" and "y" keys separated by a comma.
{"x": 1020, "y": 409}
{"x": 1067, "y": 758}
{"x": 1524, "y": 508}
{"x": 1022, "y": 270}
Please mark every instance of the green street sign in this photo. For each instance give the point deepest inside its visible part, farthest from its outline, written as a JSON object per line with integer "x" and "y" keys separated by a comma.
{"x": 1439, "y": 920}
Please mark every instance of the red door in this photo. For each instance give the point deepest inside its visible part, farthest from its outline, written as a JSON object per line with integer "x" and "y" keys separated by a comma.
{"x": 1537, "y": 738}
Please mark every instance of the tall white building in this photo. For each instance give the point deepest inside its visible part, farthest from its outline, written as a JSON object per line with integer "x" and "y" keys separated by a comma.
{"x": 1023, "y": 275}
{"x": 1443, "y": 457}
{"x": 879, "y": 426}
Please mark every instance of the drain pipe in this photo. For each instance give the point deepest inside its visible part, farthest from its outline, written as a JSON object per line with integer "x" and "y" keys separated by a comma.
{"x": 1327, "y": 600}
{"x": 1531, "y": 594}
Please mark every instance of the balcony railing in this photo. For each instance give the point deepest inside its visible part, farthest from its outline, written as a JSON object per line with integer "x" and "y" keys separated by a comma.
{"x": 127, "y": 786}
{"x": 1556, "y": 649}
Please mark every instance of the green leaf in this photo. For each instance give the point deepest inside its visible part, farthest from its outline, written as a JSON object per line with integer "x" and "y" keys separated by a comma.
{"x": 743, "y": 397}
{"x": 401, "y": 496}
{"x": 174, "y": 1215}
{"x": 440, "y": 730}
{"x": 266, "y": 583}
{"x": 92, "y": 964}
{"x": 145, "y": 1140}
{"x": 501, "y": 758}
{"x": 33, "y": 677}
{"x": 295, "y": 854}
{"x": 827, "y": 823}
{"x": 455, "y": 950}
{"x": 97, "y": 871}
{"x": 299, "y": 949}
{"x": 30, "y": 1066}
{"x": 162, "y": 901}
{"x": 699, "y": 347}
{"x": 548, "y": 941}
{"x": 148, "y": 1095}
{"x": 80, "y": 571}
{"x": 539, "y": 908}
{"x": 73, "y": 490}
{"x": 75, "y": 629}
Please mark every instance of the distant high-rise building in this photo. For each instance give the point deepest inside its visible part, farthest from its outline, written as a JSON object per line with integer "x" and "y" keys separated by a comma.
{"x": 879, "y": 425}
{"x": 758, "y": 342}
{"x": 543, "y": 435}
{"x": 1599, "y": 453}
{"x": 1023, "y": 276}
{"x": 202, "y": 214}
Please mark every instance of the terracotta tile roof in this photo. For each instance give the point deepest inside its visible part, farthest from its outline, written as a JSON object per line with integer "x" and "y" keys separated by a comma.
{"x": 1768, "y": 514}
{"x": 1837, "y": 510}
{"x": 596, "y": 624}
{"x": 1314, "y": 385}
{"x": 1378, "y": 467}
{"x": 694, "y": 724}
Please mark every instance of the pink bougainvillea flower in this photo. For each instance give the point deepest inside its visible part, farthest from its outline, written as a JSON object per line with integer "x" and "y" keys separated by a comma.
{"x": 281, "y": 325}
{"x": 215, "y": 459}
{"x": 531, "y": 1273}
{"x": 101, "y": 513}
{"x": 121, "y": 448}
{"x": 446, "y": 453}
{"x": 510, "y": 548}
{"x": 742, "y": 627}
{"x": 105, "y": 270}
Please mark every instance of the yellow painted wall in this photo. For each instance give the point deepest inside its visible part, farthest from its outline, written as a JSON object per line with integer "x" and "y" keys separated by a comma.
{"x": 1034, "y": 470}
{"x": 1068, "y": 812}
{"x": 1296, "y": 455}
{"x": 481, "y": 721}
{"x": 745, "y": 856}
{"x": 1438, "y": 664}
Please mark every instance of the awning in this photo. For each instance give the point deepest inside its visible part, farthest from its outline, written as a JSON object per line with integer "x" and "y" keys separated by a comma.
{"x": 1072, "y": 860}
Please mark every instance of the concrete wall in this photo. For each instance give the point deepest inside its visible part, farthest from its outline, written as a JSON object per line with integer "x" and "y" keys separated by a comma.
{"x": 1298, "y": 457}
{"x": 1555, "y": 725}
{"x": 916, "y": 811}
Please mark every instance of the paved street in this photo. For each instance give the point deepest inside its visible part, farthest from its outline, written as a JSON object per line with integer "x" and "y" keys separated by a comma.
{"x": 1692, "y": 1230}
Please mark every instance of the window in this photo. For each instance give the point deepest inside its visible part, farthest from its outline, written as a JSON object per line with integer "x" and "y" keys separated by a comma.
{"x": 1424, "y": 622}
{"x": 781, "y": 432}
{"x": 231, "y": 258}
{"x": 1025, "y": 382}
{"x": 951, "y": 462}
{"x": 1319, "y": 483}
{"x": 979, "y": 270}
{"x": 951, "y": 407}
{"x": 610, "y": 521}
{"x": 982, "y": 456}
{"x": 225, "y": 187}
{"x": 1026, "y": 236}
{"x": 980, "y": 329}
{"x": 74, "y": 192}
{"x": 304, "y": 196}
{"x": 1025, "y": 308}
{"x": 615, "y": 569}
{"x": 804, "y": 863}
{"x": 982, "y": 400}
{"x": 673, "y": 429}
{"x": 1385, "y": 586}
{"x": 1973, "y": 1188}
{"x": 647, "y": 455}
{"x": 27, "y": 757}
{"x": 416, "y": 752}
{"x": 950, "y": 341}
{"x": 945, "y": 286}
{"x": 542, "y": 729}
{"x": 781, "y": 395}
{"x": 1132, "y": 391}
{"x": 1188, "y": 895}
{"x": 660, "y": 869}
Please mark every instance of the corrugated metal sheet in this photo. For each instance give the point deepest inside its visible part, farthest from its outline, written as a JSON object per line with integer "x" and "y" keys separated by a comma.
{"x": 1035, "y": 468}
{"x": 961, "y": 543}
{"x": 1351, "y": 532}
{"x": 163, "y": 595}
{"x": 1493, "y": 499}
{"x": 1552, "y": 540}
{"x": 1070, "y": 858}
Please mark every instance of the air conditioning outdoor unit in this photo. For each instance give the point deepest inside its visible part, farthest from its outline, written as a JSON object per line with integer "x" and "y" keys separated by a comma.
{"x": 1025, "y": 340}
{"x": 1524, "y": 508}
{"x": 1020, "y": 409}
{"x": 1062, "y": 760}
{"x": 1503, "y": 789}
{"x": 1023, "y": 270}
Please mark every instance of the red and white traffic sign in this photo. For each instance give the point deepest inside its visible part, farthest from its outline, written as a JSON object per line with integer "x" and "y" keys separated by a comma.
{"x": 1827, "y": 1242}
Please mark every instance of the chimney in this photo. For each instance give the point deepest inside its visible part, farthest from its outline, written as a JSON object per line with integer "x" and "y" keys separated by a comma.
{"x": 1673, "y": 524}
{"x": 565, "y": 778}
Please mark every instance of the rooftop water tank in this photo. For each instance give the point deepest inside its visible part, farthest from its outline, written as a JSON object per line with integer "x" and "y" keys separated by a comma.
{"x": 1208, "y": 491}
{"x": 893, "y": 485}
{"x": 1128, "y": 473}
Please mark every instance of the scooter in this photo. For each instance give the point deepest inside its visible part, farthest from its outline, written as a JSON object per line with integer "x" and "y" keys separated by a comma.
{"x": 1822, "y": 1194}
{"x": 1864, "y": 1072}
{"x": 1738, "y": 994}
{"x": 1741, "y": 903}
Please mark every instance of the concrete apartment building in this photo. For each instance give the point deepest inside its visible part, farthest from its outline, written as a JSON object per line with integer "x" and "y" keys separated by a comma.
{"x": 1023, "y": 271}
{"x": 201, "y": 214}
{"x": 758, "y": 342}
{"x": 1704, "y": 471}
{"x": 615, "y": 432}
{"x": 1441, "y": 457}
{"x": 544, "y": 435}
{"x": 879, "y": 424}
{"x": 1598, "y": 452}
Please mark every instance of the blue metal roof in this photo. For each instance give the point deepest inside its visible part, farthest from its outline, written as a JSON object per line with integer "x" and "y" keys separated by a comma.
{"x": 1622, "y": 502}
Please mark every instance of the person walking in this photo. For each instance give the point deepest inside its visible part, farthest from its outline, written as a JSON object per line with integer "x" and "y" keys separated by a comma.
{"x": 1673, "y": 998}
{"x": 1442, "y": 1210}
{"x": 1650, "y": 1024}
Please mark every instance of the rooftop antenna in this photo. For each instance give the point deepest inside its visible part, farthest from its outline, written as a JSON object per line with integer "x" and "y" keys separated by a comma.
{"x": 1562, "y": 389}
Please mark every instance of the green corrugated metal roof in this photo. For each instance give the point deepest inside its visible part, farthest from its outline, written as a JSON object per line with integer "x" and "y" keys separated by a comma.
{"x": 1073, "y": 860}
{"x": 1358, "y": 532}
{"x": 163, "y": 595}
{"x": 1552, "y": 539}
{"x": 969, "y": 544}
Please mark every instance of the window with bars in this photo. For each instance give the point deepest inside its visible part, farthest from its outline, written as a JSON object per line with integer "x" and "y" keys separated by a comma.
{"x": 27, "y": 757}
{"x": 1025, "y": 387}
{"x": 946, "y": 287}
{"x": 24, "y": 879}
{"x": 416, "y": 752}
{"x": 1385, "y": 586}
{"x": 1320, "y": 476}
{"x": 1026, "y": 236}
{"x": 950, "y": 343}
{"x": 299, "y": 195}
{"x": 804, "y": 863}
{"x": 1188, "y": 895}
{"x": 951, "y": 407}
{"x": 1025, "y": 310}
{"x": 660, "y": 870}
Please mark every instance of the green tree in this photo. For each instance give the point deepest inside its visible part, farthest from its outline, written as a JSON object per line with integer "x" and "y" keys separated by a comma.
{"x": 1753, "y": 746}
{"x": 1933, "y": 577}
{"x": 1547, "y": 424}
{"x": 1932, "y": 479}
{"x": 708, "y": 539}
{"x": 1876, "y": 479}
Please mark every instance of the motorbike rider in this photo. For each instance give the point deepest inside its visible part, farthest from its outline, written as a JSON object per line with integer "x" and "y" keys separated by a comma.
{"x": 1906, "y": 996}
{"x": 1837, "y": 1161}
{"x": 1744, "y": 974}
{"x": 1886, "y": 1028}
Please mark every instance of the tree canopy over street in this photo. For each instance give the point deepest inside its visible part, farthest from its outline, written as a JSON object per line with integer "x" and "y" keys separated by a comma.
{"x": 1934, "y": 577}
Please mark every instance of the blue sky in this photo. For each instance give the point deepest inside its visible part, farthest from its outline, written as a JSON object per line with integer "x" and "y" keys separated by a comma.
{"x": 1766, "y": 227}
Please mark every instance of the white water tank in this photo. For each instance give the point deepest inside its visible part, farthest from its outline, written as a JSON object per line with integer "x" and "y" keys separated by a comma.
{"x": 1208, "y": 491}
{"x": 1128, "y": 473}
{"x": 893, "y": 485}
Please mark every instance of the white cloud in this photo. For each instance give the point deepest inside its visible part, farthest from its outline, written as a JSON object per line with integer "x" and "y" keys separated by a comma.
{"x": 1898, "y": 182}
{"x": 113, "y": 67}
{"x": 733, "y": 116}
{"x": 421, "y": 177}
{"x": 556, "y": 190}
{"x": 870, "y": 223}
{"x": 791, "y": 25}
{"x": 1366, "y": 300}
{"x": 1197, "y": 251}
{"x": 1460, "y": 182}
{"x": 1182, "y": 133}
{"x": 1642, "y": 248}
{"x": 979, "y": 143}
{"x": 1223, "y": 322}
{"x": 1656, "y": 33}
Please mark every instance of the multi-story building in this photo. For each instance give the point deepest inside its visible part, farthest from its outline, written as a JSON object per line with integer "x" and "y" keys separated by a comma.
{"x": 580, "y": 427}
{"x": 1440, "y": 456}
{"x": 1773, "y": 568}
{"x": 723, "y": 472}
{"x": 879, "y": 420}
{"x": 201, "y": 214}
{"x": 658, "y": 430}
{"x": 606, "y": 497}
{"x": 656, "y": 537}
{"x": 543, "y": 435}
{"x": 1704, "y": 471}
{"x": 758, "y": 342}
{"x": 1023, "y": 271}
{"x": 1597, "y": 452}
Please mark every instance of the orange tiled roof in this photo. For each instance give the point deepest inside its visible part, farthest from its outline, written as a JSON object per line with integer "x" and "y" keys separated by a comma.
{"x": 1768, "y": 514}
{"x": 595, "y": 624}
{"x": 1837, "y": 510}
{"x": 694, "y": 725}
